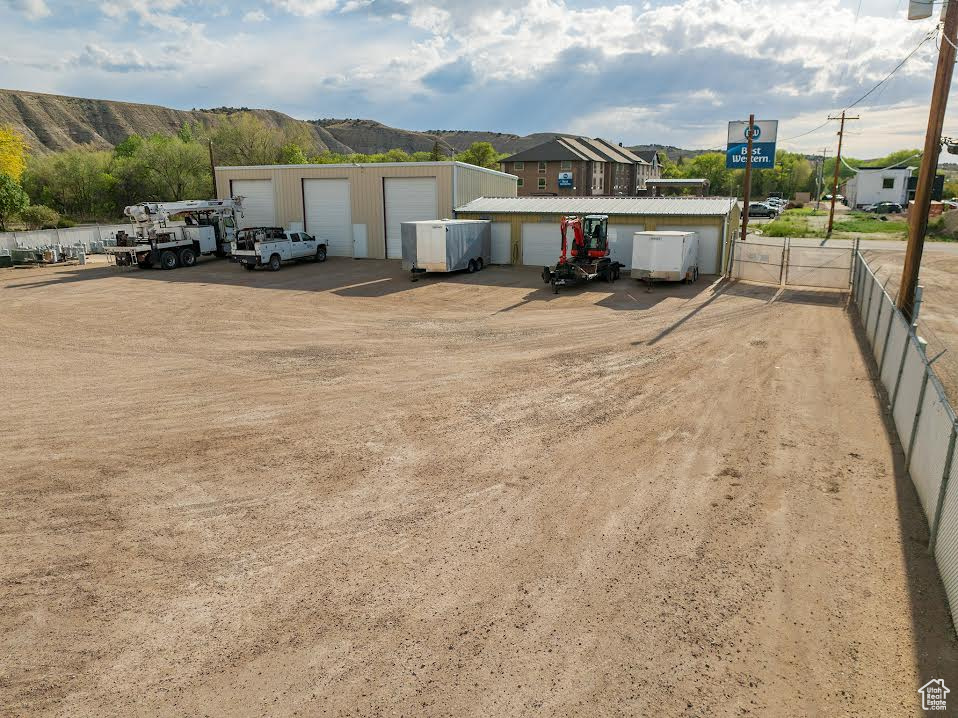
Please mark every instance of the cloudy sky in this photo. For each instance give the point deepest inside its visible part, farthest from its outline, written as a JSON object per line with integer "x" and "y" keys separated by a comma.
{"x": 670, "y": 71}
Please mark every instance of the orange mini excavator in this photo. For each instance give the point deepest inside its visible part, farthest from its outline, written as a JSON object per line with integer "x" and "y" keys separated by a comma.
{"x": 588, "y": 257}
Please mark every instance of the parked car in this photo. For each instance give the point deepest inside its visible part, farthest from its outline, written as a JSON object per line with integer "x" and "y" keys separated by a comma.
{"x": 777, "y": 202}
{"x": 838, "y": 198}
{"x": 886, "y": 208}
{"x": 950, "y": 204}
{"x": 760, "y": 209}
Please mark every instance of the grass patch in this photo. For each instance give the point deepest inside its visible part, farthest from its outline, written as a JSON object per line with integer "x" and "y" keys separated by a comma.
{"x": 790, "y": 226}
{"x": 869, "y": 224}
{"x": 804, "y": 212}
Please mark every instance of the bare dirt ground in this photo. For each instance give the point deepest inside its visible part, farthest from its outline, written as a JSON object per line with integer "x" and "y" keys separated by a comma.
{"x": 329, "y": 491}
{"x": 938, "y": 318}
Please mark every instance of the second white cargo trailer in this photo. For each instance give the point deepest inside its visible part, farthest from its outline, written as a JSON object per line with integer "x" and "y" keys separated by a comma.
{"x": 446, "y": 245}
{"x": 665, "y": 255}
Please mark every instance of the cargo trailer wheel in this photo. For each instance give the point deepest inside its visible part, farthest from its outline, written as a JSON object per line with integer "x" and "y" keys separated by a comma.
{"x": 471, "y": 267}
{"x": 187, "y": 257}
{"x": 168, "y": 260}
{"x": 275, "y": 263}
{"x": 321, "y": 254}
{"x": 479, "y": 264}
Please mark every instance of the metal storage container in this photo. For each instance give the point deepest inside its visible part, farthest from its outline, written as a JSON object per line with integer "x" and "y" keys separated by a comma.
{"x": 672, "y": 256}
{"x": 446, "y": 245}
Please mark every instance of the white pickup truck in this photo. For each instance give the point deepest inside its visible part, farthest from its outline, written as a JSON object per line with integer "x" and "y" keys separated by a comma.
{"x": 271, "y": 246}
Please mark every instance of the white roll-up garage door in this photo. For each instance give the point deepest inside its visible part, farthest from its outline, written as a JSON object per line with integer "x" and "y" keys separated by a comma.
{"x": 709, "y": 244}
{"x": 259, "y": 206}
{"x": 620, "y": 241}
{"x": 502, "y": 243}
{"x": 407, "y": 199}
{"x": 541, "y": 243}
{"x": 328, "y": 214}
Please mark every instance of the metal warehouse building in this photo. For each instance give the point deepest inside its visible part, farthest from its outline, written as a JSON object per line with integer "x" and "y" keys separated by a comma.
{"x": 525, "y": 230}
{"x": 358, "y": 208}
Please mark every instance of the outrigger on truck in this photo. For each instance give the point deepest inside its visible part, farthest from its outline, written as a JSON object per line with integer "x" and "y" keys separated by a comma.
{"x": 209, "y": 227}
{"x": 588, "y": 258}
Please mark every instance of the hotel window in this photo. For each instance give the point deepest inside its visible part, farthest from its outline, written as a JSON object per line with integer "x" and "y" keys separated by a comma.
{"x": 565, "y": 165}
{"x": 519, "y": 182}
{"x": 542, "y": 167}
{"x": 518, "y": 165}
{"x": 542, "y": 183}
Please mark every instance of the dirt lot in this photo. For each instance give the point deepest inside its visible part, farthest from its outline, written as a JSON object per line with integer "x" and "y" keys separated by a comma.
{"x": 938, "y": 320}
{"x": 329, "y": 491}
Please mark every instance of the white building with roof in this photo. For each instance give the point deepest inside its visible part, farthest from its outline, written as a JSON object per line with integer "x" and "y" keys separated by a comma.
{"x": 871, "y": 186}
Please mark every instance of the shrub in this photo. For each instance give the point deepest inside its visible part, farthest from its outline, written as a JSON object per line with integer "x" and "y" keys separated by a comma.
{"x": 38, "y": 216}
{"x": 65, "y": 223}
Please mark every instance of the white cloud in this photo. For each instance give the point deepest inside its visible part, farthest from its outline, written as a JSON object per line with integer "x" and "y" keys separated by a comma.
{"x": 33, "y": 9}
{"x": 305, "y": 8}
{"x": 255, "y": 16}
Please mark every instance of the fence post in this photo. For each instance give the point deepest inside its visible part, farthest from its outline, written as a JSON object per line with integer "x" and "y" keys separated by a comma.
{"x": 945, "y": 475}
{"x": 860, "y": 280}
{"x": 868, "y": 298}
{"x": 851, "y": 269}
{"x": 731, "y": 259}
{"x": 782, "y": 274}
{"x": 917, "y": 303}
{"x": 914, "y": 425}
{"x": 884, "y": 348}
{"x": 901, "y": 368}
{"x": 881, "y": 305}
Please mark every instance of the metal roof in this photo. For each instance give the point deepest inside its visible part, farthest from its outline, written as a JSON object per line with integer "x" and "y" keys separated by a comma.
{"x": 672, "y": 206}
{"x": 678, "y": 182}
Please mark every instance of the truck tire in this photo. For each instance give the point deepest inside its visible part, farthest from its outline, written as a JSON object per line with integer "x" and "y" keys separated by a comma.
{"x": 187, "y": 257}
{"x": 479, "y": 264}
{"x": 275, "y": 263}
{"x": 168, "y": 260}
{"x": 321, "y": 254}
{"x": 471, "y": 267}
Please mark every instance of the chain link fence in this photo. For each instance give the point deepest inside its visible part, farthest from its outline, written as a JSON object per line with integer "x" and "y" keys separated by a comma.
{"x": 88, "y": 236}
{"x": 797, "y": 264}
{"x": 922, "y": 415}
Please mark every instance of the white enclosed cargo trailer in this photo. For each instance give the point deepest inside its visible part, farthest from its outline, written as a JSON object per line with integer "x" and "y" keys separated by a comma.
{"x": 665, "y": 255}
{"x": 446, "y": 245}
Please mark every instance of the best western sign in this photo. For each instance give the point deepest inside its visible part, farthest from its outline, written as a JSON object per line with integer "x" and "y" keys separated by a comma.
{"x": 764, "y": 133}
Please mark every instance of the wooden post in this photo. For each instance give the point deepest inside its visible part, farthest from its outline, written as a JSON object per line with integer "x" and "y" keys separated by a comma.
{"x": 747, "y": 189}
{"x": 918, "y": 213}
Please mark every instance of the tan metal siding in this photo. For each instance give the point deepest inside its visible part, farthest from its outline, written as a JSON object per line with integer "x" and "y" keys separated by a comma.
{"x": 517, "y": 220}
{"x": 473, "y": 183}
{"x": 366, "y": 192}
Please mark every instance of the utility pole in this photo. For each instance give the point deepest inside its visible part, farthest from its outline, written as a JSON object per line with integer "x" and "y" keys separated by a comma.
{"x": 820, "y": 178}
{"x": 838, "y": 166}
{"x": 918, "y": 212}
{"x": 213, "y": 170}
{"x": 747, "y": 189}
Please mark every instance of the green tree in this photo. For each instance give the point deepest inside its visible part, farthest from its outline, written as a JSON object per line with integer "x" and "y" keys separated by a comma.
{"x": 292, "y": 154}
{"x": 129, "y": 146}
{"x": 38, "y": 216}
{"x": 174, "y": 169}
{"x": 77, "y": 183}
{"x": 436, "y": 154}
{"x": 12, "y": 199}
{"x": 481, "y": 154}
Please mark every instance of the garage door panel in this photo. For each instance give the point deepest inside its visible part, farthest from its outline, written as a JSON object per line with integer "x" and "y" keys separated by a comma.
{"x": 259, "y": 206}
{"x": 541, "y": 243}
{"x": 328, "y": 214}
{"x": 407, "y": 199}
{"x": 620, "y": 241}
{"x": 709, "y": 244}
{"x": 501, "y": 243}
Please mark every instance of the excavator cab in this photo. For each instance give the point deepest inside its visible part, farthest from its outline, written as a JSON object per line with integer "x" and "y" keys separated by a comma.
{"x": 595, "y": 231}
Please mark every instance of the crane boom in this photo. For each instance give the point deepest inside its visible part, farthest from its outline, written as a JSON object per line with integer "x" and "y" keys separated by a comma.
{"x": 148, "y": 213}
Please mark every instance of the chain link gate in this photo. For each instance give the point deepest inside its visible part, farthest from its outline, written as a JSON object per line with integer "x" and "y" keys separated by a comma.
{"x": 783, "y": 262}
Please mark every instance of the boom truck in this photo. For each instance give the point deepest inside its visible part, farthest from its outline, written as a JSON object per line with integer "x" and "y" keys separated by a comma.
{"x": 588, "y": 258}
{"x": 209, "y": 227}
